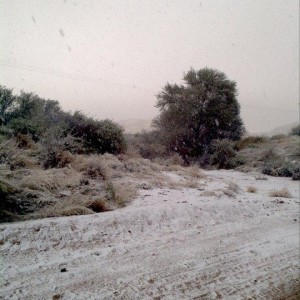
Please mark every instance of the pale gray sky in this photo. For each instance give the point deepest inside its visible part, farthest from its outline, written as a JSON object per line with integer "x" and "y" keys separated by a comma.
{"x": 110, "y": 58}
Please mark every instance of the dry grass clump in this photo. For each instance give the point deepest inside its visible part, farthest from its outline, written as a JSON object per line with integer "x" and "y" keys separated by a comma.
{"x": 195, "y": 172}
{"x": 50, "y": 180}
{"x": 149, "y": 165}
{"x": 171, "y": 161}
{"x": 260, "y": 177}
{"x": 277, "y": 156}
{"x": 270, "y": 155}
{"x": 61, "y": 211}
{"x": 96, "y": 170}
{"x": 234, "y": 187}
{"x": 25, "y": 141}
{"x": 174, "y": 168}
{"x": 231, "y": 190}
{"x": 283, "y": 193}
{"x": 110, "y": 167}
{"x": 277, "y": 137}
{"x": 251, "y": 141}
{"x": 21, "y": 161}
{"x": 141, "y": 165}
{"x": 72, "y": 205}
{"x": 75, "y": 210}
{"x": 290, "y": 147}
{"x": 160, "y": 180}
{"x": 15, "y": 157}
{"x": 208, "y": 194}
{"x": 251, "y": 189}
{"x": 55, "y": 149}
{"x": 229, "y": 193}
{"x": 97, "y": 205}
{"x": 176, "y": 159}
{"x": 191, "y": 183}
{"x": 93, "y": 166}
{"x": 120, "y": 193}
{"x": 64, "y": 158}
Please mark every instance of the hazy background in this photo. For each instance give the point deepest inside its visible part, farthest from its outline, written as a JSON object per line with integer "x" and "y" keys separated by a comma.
{"x": 110, "y": 58}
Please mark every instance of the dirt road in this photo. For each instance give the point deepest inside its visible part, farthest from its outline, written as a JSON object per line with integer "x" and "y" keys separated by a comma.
{"x": 168, "y": 244}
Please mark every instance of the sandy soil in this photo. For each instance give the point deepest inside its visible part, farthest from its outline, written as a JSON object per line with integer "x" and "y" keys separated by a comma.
{"x": 168, "y": 244}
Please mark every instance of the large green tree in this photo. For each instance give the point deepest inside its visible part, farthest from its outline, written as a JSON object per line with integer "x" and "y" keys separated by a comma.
{"x": 199, "y": 111}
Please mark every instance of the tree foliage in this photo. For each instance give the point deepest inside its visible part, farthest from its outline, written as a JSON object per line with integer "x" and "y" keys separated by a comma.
{"x": 34, "y": 115}
{"x": 202, "y": 109}
{"x": 7, "y": 101}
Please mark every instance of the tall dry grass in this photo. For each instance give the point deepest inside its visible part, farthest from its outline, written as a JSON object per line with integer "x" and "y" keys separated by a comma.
{"x": 283, "y": 193}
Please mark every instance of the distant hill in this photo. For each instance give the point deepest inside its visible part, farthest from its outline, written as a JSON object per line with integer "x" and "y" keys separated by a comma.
{"x": 135, "y": 125}
{"x": 281, "y": 130}
{"x": 138, "y": 125}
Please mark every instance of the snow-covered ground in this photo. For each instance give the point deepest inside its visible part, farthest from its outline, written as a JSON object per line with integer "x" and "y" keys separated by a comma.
{"x": 218, "y": 241}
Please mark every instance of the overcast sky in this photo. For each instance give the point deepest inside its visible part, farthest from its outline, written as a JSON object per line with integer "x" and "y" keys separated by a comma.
{"x": 110, "y": 58}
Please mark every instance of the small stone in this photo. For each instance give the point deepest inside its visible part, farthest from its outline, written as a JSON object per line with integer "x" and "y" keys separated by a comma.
{"x": 145, "y": 186}
{"x": 63, "y": 270}
{"x": 64, "y": 193}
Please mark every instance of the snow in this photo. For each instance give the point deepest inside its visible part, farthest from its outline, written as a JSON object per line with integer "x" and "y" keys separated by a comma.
{"x": 167, "y": 244}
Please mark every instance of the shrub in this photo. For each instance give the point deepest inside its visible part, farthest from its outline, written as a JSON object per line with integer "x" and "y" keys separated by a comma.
{"x": 222, "y": 153}
{"x": 283, "y": 193}
{"x": 295, "y": 130}
{"x": 236, "y": 162}
{"x": 272, "y": 162}
{"x": 147, "y": 144}
{"x": 152, "y": 151}
{"x": 267, "y": 170}
{"x": 97, "y": 136}
{"x": 33, "y": 127}
{"x": 5, "y": 132}
{"x": 32, "y": 115}
{"x": 296, "y": 176}
{"x": 282, "y": 169}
